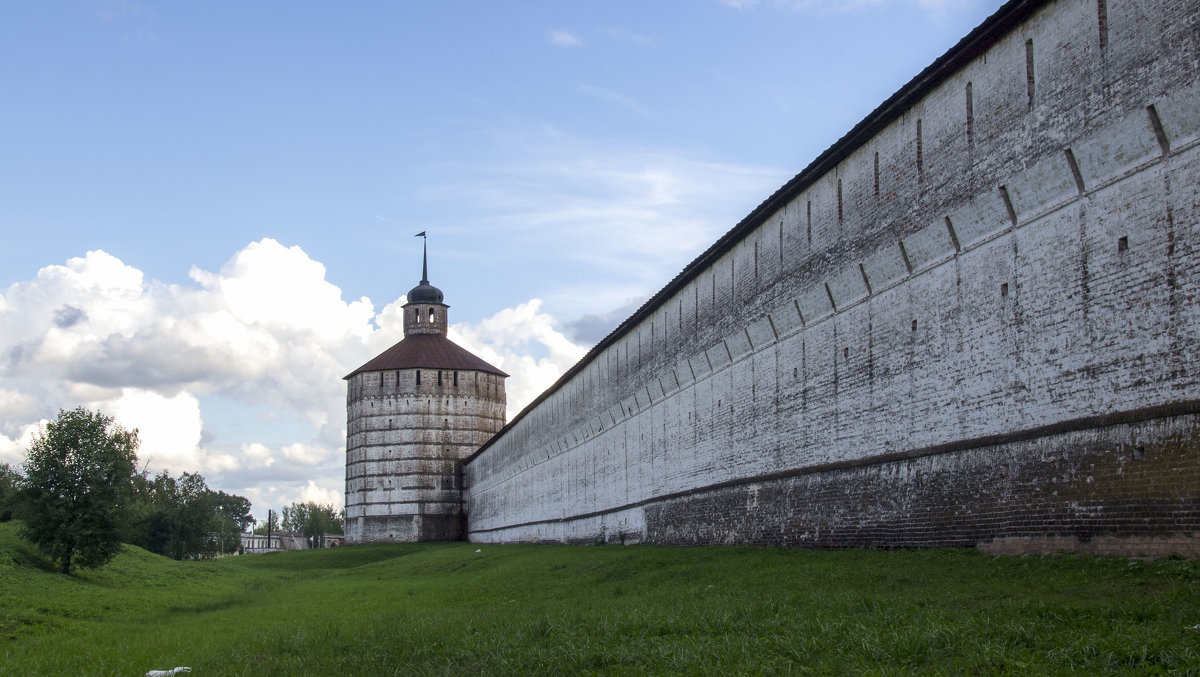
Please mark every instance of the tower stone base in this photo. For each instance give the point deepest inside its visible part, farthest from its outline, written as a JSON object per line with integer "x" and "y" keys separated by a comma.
{"x": 406, "y": 528}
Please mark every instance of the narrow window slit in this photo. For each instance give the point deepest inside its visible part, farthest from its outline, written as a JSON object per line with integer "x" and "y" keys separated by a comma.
{"x": 970, "y": 116}
{"x": 876, "y": 173}
{"x": 839, "y": 198}
{"x": 810, "y": 223}
{"x": 1102, "y": 22}
{"x": 920, "y": 152}
{"x": 1029, "y": 70}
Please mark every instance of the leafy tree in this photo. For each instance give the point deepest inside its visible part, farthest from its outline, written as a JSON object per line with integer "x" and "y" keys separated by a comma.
{"x": 184, "y": 519}
{"x": 10, "y": 481}
{"x": 77, "y": 485}
{"x": 236, "y": 509}
{"x": 233, "y": 519}
{"x": 183, "y": 524}
{"x": 312, "y": 519}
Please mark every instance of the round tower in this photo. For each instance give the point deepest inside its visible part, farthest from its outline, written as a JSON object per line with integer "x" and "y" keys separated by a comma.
{"x": 412, "y": 414}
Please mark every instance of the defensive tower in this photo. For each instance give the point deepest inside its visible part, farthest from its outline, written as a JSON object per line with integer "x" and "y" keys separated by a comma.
{"x": 412, "y": 414}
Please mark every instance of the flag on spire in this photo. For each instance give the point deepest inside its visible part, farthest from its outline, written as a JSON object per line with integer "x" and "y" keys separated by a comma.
{"x": 424, "y": 257}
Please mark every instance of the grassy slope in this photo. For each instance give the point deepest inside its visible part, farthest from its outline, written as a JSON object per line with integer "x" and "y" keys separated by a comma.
{"x": 447, "y": 609}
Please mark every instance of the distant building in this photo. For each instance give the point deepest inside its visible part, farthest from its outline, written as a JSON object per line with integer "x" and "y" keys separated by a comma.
{"x": 412, "y": 414}
{"x": 258, "y": 543}
{"x": 254, "y": 543}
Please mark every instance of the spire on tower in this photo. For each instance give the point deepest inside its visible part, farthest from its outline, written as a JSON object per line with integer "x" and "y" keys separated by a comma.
{"x": 424, "y": 257}
{"x": 425, "y": 292}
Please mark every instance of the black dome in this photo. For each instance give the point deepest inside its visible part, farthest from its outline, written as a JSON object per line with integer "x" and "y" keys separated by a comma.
{"x": 425, "y": 293}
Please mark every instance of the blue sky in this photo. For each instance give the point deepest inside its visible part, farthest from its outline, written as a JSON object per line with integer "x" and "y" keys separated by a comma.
{"x": 208, "y": 209}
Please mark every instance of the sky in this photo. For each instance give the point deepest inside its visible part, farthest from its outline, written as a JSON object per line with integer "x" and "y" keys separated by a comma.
{"x": 207, "y": 209}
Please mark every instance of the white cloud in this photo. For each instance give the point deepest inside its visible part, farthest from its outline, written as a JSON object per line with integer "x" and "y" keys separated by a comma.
{"x": 560, "y": 38}
{"x": 315, "y": 494}
{"x": 14, "y": 404}
{"x": 257, "y": 455}
{"x": 305, "y": 454}
{"x": 266, "y": 336}
{"x": 168, "y": 430}
{"x": 13, "y": 444}
{"x": 525, "y": 343}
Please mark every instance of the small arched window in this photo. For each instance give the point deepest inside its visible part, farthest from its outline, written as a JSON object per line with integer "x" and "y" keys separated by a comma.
{"x": 417, "y": 314}
{"x": 418, "y": 377}
{"x": 431, "y": 315}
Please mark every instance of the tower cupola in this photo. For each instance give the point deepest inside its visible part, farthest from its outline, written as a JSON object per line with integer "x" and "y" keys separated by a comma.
{"x": 424, "y": 310}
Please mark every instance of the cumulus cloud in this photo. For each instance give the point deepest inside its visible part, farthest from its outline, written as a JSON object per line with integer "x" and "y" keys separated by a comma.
{"x": 524, "y": 342}
{"x": 561, "y": 38}
{"x": 311, "y": 493}
{"x": 169, "y": 430}
{"x": 15, "y": 439}
{"x": 257, "y": 455}
{"x": 237, "y": 375}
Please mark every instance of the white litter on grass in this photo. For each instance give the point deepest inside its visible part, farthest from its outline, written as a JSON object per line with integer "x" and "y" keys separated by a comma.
{"x": 168, "y": 673}
{"x": 478, "y": 551}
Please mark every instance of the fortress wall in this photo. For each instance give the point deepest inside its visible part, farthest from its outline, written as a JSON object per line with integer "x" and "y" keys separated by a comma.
{"x": 982, "y": 314}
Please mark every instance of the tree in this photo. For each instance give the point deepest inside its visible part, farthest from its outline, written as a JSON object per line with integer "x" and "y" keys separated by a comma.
{"x": 10, "y": 480}
{"x": 233, "y": 519}
{"x": 312, "y": 519}
{"x": 77, "y": 485}
{"x": 184, "y": 519}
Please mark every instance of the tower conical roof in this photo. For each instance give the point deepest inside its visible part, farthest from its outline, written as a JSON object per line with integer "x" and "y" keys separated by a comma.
{"x": 427, "y": 351}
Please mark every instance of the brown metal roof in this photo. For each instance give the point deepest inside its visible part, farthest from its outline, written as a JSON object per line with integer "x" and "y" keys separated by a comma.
{"x": 426, "y": 351}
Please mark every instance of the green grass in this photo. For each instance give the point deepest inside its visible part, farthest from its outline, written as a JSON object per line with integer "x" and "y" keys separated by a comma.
{"x": 445, "y": 609}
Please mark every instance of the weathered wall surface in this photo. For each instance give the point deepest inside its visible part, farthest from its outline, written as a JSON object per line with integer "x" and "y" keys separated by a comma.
{"x": 405, "y": 439}
{"x": 976, "y": 324}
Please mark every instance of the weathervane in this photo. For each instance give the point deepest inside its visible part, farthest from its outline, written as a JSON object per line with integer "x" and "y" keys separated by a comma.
{"x": 424, "y": 257}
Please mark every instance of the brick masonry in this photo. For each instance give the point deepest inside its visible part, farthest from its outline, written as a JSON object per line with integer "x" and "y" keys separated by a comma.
{"x": 973, "y": 321}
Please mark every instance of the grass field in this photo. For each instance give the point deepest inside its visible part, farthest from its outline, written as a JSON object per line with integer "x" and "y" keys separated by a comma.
{"x": 457, "y": 608}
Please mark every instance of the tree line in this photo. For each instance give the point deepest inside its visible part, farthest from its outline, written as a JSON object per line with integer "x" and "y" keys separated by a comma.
{"x": 80, "y": 494}
{"x": 311, "y": 519}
